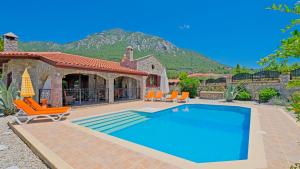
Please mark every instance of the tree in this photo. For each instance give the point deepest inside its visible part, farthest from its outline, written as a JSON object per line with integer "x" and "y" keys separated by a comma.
{"x": 289, "y": 48}
{"x": 1, "y": 45}
{"x": 188, "y": 84}
{"x": 238, "y": 69}
{"x": 286, "y": 9}
{"x": 279, "y": 60}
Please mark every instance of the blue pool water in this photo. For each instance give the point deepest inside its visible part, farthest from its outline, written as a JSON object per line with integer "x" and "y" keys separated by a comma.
{"x": 196, "y": 132}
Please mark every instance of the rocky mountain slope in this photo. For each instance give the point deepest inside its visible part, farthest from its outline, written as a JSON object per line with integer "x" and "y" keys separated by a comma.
{"x": 111, "y": 45}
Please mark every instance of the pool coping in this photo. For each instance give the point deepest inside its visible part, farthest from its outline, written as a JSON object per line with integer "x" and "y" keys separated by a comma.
{"x": 256, "y": 152}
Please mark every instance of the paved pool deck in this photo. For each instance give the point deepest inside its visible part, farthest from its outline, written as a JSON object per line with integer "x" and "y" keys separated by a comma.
{"x": 274, "y": 141}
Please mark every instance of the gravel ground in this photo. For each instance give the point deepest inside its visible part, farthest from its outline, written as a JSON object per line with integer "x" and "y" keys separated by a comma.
{"x": 14, "y": 153}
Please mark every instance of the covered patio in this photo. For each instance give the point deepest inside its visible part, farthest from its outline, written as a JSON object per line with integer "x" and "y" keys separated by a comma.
{"x": 65, "y": 79}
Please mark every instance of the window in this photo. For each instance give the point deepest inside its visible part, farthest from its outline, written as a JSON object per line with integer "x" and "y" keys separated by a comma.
{"x": 153, "y": 67}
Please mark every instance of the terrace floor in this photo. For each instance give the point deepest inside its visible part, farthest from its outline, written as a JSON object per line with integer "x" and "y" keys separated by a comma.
{"x": 75, "y": 147}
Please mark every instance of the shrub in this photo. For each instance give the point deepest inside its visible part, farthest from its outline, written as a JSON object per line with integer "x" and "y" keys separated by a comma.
{"x": 295, "y": 166}
{"x": 188, "y": 84}
{"x": 243, "y": 95}
{"x": 266, "y": 94}
{"x": 295, "y": 105}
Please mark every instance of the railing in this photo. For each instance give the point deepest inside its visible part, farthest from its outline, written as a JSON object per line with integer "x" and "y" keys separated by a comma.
{"x": 242, "y": 76}
{"x": 295, "y": 74}
{"x": 266, "y": 75}
{"x": 215, "y": 81}
{"x": 126, "y": 94}
{"x": 78, "y": 96}
{"x": 85, "y": 96}
{"x": 259, "y": 76}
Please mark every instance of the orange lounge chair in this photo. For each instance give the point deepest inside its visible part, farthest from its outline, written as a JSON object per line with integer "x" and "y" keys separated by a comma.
{"x": 173, "y": 96}
{"x": 38, "y": 107}
{"x": 159, "y": 95}
{"x": 28, "y": 113}
{"x": 184, "y": 97}
{"x": 150, "y": 95}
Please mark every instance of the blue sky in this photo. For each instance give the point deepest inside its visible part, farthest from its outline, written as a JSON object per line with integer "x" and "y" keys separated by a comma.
{"x": 229, "y": 31}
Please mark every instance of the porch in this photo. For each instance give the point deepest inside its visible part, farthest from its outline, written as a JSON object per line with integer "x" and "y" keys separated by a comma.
{"x": 86, "y": 89}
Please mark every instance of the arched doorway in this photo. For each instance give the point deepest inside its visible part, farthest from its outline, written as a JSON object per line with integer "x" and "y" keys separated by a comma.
{"x": 126, "y": 88}
{"x": 82, "y": 89}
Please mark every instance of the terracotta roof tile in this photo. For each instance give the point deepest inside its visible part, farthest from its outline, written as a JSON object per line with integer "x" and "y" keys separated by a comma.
{"x": 65, "y": 60}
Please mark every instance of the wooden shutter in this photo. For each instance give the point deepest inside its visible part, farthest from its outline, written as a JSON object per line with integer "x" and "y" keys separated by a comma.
{"x": 157, "y": 81}
{"x": 148, "y": 81}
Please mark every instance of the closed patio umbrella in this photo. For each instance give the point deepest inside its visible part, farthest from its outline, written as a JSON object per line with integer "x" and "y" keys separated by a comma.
{"x": 26, "y": 87}
{"x": 164, "y": 82}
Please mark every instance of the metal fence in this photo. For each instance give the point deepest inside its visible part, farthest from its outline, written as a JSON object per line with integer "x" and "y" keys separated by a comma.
{"x": 85, "y": 96}
{"x": 126, "y": 94}
{"x": 215, "y": 81}
{"x": 295, "y": 74}
{"x": 259, "y": 76}
{"x": 242, "y": 76}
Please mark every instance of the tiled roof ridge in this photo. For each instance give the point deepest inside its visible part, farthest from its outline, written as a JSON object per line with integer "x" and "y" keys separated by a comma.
{"x": 73, "y": 61}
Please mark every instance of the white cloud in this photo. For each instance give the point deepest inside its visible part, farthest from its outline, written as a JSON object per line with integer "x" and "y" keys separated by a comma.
{"x": 184, "y": 26}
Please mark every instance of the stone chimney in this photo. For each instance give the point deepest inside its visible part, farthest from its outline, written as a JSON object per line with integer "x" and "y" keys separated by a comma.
{"x": 127, "y": 60}
{"x": 129, "y": 53}
{"x": 10, "y": 42}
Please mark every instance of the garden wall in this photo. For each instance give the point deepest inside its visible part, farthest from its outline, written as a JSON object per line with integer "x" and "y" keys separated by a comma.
{"x": 254, "y": 86}
{"x": 212, "y": 91}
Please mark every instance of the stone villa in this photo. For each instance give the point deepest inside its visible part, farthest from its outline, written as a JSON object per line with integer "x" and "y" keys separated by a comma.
{"x": 72, "y": 79}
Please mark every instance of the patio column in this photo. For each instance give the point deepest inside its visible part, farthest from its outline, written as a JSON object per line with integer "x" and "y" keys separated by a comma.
{"x": 110, "y": 87}
{"x": 143, "y": 86}
{"x": 130, "y": 89}
{"x": 56, "y": 90}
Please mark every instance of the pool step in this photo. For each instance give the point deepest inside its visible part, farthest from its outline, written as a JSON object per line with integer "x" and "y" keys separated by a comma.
{"x": 116, "y": 128}
{"x": 120, "y": 123}
{"x": 112, "y": 122}
{"x": 97, "y": 118}
{"x": 117, "y": 123}
{"x": 101, "y": 116}
{"x": 106, "y": 123}
{"x": 104, "y": 120}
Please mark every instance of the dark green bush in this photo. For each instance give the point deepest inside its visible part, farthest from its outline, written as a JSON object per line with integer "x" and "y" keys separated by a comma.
{"x": 244, "y": 95}
{"x": 266, "y": 94}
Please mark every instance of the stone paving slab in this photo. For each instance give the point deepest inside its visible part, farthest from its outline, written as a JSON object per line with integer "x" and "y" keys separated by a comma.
{"x": 82, "y": 150}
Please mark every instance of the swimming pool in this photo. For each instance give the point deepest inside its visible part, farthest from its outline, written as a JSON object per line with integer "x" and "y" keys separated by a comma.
{"x": 196, "y": 132}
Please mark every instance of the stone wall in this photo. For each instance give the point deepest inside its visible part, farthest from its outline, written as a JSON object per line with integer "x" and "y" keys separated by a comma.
{"x": 256, "y": 86}
{"x": 211, "y": 95}
{"x": 280, "y": 85}
{"x": 151, "y": 65}
{"x": 146, "y": 64}
{"x": 39, "y": 72}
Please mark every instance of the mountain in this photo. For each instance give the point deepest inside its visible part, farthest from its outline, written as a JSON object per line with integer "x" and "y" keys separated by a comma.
{"x": 111, "y": 45}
